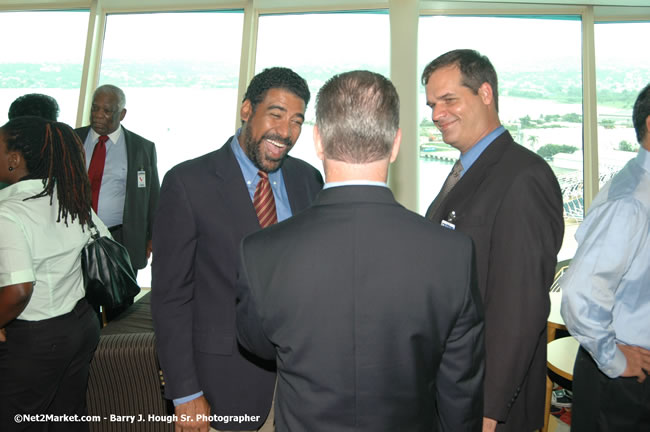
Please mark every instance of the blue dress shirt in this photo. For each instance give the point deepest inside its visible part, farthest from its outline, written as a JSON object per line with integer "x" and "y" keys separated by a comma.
{"x": 471, "y": 155}
{"x": 606, "y": 290}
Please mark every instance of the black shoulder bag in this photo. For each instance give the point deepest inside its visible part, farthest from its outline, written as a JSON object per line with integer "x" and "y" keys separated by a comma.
{"x": 108, "y": 276}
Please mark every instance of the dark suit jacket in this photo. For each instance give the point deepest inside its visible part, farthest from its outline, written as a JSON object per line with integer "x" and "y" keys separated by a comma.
{"x": 510, "y": 203}
{"x": 140, "y": 202}
{"x": 204, "y": 212}
{"x": 373, "y": 314}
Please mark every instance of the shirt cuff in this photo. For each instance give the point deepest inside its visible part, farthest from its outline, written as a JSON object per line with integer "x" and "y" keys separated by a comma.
{"x": 616, "y": 367}
{"x": 185, "y": 399}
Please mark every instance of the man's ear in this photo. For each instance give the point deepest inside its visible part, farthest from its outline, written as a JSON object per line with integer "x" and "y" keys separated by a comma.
{"x": 246, "y": 110}
{"x": 485, "y": 92}
{"x": 646, "y": 141}
{"x": 318, "y": 144}
{"x": 123, "y": 114}
{"x": 396, "y": 143}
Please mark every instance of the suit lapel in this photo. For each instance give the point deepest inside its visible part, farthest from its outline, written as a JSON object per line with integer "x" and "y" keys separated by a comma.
{"x": 294, "y": 186}
{"x": 131, "y": 203}
{"x": 232, "y": 189}
{"x": 83, "y": 133}
{"x": 462, "y": 193}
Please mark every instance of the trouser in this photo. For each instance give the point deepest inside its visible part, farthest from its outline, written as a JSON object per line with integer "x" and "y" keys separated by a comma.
{"x": 603, "y": 404}
{"x": 44, "y": 371}
{"x": 267, "y": 426}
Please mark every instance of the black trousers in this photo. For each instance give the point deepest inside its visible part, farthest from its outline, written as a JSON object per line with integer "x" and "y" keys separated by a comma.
{"x": 603, "y": 404}
{"x": 44, "y": 370}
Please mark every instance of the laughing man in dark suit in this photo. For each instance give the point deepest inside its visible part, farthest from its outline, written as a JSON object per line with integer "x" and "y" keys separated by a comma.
{"x": 206, "y": 208}
{"x": 509, "y": 201}
{"x": 370, "y": 311}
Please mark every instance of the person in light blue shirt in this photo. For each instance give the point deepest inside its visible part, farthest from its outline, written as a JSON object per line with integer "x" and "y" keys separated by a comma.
{"x": 606, "y": 297}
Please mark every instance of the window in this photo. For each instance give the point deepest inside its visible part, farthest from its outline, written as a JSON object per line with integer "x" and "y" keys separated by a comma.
{"x": 180, "y": 85}
{"x": 307, "y": 44}
{"x": 42, "y": 52}
{"x": 620, "y": 75}
{"x": 538, "y": 62}
{"x": 180, "y": 74}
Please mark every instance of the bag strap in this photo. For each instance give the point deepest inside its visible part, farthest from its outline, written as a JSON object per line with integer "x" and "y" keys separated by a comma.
{"x": 94, "y": 231}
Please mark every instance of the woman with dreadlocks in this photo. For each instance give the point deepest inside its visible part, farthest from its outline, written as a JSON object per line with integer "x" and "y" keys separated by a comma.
{"x": 48, "y": 332}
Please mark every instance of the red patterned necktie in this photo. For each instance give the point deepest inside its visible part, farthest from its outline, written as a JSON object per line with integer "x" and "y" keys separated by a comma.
{"x": 96, "y": 169}
{"x": 264, "y": 202}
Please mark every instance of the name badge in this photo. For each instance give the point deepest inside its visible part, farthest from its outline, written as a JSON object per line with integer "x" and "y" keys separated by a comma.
{"x": 142, "y": 179}
{"x": 448, "y": 225}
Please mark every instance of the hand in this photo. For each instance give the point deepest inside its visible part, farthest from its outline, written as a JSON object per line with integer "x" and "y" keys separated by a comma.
{"x": 489, "y": 425}
{"x": 187, "y": 412}
{"x": 149, "y": 249}
{"x": 3, "y": 335}
{"x": 638, "y": 362}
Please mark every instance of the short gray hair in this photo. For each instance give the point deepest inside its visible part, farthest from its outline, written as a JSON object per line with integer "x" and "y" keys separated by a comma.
{"x": 357, "y": 115}
{"x": 114, "y": 90}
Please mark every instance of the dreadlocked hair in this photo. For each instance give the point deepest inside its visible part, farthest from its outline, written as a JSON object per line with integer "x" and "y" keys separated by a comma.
{"x": 54, "y": 153}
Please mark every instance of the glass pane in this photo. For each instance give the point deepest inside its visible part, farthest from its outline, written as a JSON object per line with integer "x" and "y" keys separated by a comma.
{"x": 180, "y": 81}
{"x": 180, "y": 85}
{"x": 36, "y": 58}
{"x": 620, "y": 75}
{"x": 538, "y": 62}
{"x": 310, "y": 47}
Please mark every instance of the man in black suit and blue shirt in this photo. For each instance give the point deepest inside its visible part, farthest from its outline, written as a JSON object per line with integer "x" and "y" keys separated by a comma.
{"x": 371, "y": 312}
{"x": 125, "y": 194}
{"x": 508, "y": 200}
{"x": 207, "y": 205}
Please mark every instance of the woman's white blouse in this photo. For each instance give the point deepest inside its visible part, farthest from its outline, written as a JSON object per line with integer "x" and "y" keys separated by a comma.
{"x": 34, "y": 247}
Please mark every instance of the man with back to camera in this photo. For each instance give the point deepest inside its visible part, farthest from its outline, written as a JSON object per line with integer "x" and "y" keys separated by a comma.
{"x": 606, "y": 297}
{"x": 207, "y": 206}
{"x": 508, "y": 200}
{"x": 371, "y": 312}
{"x": 33, "y": 104}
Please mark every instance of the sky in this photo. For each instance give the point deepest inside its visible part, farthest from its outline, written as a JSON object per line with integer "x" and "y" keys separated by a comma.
{"x": 305, "y": 38}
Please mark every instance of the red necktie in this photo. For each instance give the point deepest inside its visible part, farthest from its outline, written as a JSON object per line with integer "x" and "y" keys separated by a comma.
{"x": 96, "y": 169}
{"x": 264, "y": 202}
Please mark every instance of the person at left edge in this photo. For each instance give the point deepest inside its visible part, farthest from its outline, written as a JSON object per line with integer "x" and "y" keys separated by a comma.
{"x": 129, "y": 190}
{"x": 206, "y": 208}
{"x": 48, "y": 332}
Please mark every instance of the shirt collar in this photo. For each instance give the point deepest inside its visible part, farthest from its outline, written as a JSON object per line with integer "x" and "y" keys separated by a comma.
{"x": 113, "y": 136}
{"x": 34, "y": 186}
{"x": 473, "y": 154}
{"x": 643, "y": 158}
{"x": 248, "y": 169}
{"x": 354, "y": 183}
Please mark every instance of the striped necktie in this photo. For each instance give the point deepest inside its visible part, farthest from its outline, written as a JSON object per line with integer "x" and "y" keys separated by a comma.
{"x": 264, "y": 202}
